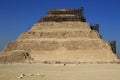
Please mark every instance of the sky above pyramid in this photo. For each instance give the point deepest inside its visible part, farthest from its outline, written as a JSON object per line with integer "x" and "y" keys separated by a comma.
{"x": 17, "y": 16}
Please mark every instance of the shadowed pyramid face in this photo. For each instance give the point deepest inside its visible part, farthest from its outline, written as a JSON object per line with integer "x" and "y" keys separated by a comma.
{"x": 62, "y": 36}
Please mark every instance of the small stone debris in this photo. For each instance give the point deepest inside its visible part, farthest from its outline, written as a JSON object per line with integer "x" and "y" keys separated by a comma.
{"x": 31, "y": 74}
{"x": 38, "y": 74}
{"x": 21, "y": 76}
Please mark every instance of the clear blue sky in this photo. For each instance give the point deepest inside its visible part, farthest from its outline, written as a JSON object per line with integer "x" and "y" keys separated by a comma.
{"x": 16, "y": 16}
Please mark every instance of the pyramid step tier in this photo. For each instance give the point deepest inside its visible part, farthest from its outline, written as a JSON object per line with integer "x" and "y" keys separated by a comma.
{"x": 63, "y": 55}
{"x": 58, "y": 25}
{"x": 59, "y": 34}
{"x": 57, "y": 30}
{"x": 53, "y": 44}
{"x": 58, "y": 18}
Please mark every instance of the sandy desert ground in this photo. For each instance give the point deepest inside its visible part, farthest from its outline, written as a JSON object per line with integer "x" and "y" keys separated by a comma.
{"x": 60, "y": 72}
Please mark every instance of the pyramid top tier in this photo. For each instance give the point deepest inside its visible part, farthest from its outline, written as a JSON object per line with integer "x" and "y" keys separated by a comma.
{"x": 66, "y": 14}
{"x": 72, "y": 11}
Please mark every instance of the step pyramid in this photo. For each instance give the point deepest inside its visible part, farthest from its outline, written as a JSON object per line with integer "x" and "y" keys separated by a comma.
{"x": 63, "y": 35}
